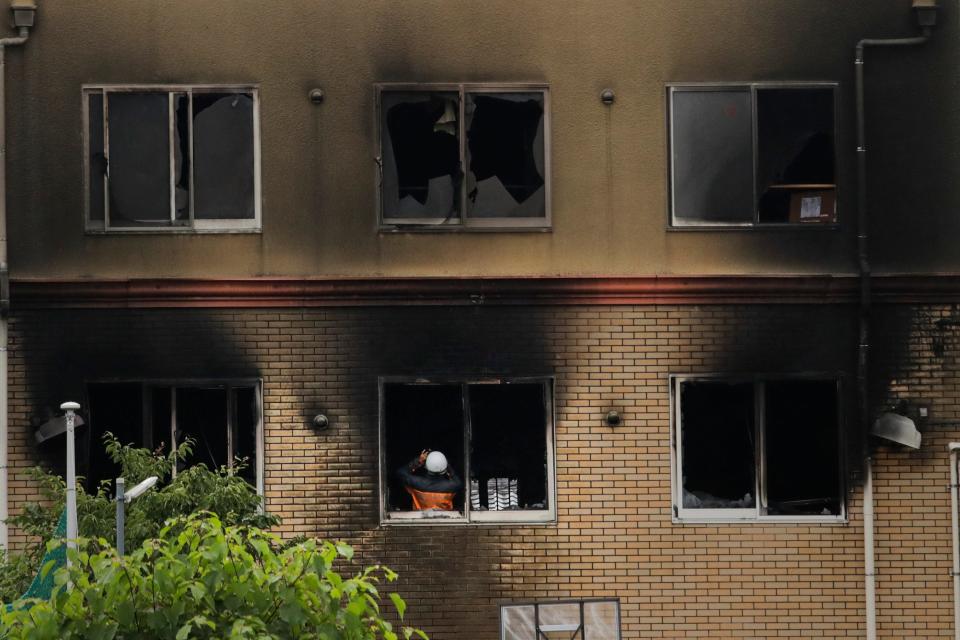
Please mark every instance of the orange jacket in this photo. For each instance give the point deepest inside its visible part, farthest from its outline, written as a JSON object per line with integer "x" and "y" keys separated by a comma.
{"x": 427, "y": 490}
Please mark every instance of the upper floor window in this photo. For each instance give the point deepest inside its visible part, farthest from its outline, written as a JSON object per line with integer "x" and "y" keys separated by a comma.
{"x": 756, "y": 448}
{"x": 182, "y": 158}
{"x": 463, "y": 156}
{"x": 496, "y": 441}
{"x": 752, "y": 155}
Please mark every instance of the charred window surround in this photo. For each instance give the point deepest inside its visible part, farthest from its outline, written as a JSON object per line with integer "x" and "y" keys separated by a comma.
{"x": 224, "y": 417}
{"x": 497, "y": 435}
{"x": 463, "y": 157}
{"x": 753, "y": 155}
{"x": 764, "y": 448}
{"x": 171, "y": 158}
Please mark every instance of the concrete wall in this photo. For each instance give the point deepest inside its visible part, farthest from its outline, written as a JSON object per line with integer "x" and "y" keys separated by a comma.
{"x": 614, "y": 535}
{"x": 609, "y": 163}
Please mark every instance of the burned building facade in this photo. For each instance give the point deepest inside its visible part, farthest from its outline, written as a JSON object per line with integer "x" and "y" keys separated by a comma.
{"x": 604, "y": 256}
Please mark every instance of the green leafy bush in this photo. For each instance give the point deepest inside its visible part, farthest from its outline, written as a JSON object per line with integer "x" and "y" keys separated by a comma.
{"x": 204, "y": 579}
{"x": 194, "y": 489}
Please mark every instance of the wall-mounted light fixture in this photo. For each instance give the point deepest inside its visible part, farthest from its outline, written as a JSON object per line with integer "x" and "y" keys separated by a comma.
{"x": 320, "y": 422}
{"x": 24, "y": 13}
{"x": 316, "y": 95}
{"x": 607, "y": 96}
{"x": 613, "y": 418}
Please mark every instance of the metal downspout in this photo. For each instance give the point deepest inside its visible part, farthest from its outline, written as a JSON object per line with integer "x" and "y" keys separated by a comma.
{"x": 863, "y": 349}
{"x": 4, "y": 287}
{"x": 955, "y": 529}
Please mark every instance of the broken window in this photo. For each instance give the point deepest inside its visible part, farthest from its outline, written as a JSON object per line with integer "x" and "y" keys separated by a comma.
{"x": 463, "y": 156}
{"x": 222, "y": 418}
{"x": 570, "y": 620}
{"x": 753, "y": 155}
{"x": 176, "y": 159}
{"x": 756, "y": 448}
{"x": 497, "y": 438}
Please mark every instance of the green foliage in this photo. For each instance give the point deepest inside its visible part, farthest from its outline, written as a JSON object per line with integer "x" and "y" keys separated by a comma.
{"x": 204, "y": 579}
{"x": 194, "y": 489}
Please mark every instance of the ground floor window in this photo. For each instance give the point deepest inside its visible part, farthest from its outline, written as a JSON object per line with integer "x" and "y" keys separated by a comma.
{"x": 747, "y": 448}
{"x": 223, "y": 418}
{"x": 496, "y": 437}
{"x": 569, "y": 620}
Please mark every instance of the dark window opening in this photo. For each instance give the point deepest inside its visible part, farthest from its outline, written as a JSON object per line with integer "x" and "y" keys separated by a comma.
{"x": 802, "y": 448}
{"x": 222, "y": 419}
{"x": 495, "y": 437}
{"x": 419, "y": 417}
{"x": 223, "y": 155}
{"x": 771, "y": 447}
{"x": 421, "y": 163}
{"x": 506, "y": 155}
{"x": 508, "y": 456}
{"x": 718, "y": 445}
{"x": 795, "y": 155}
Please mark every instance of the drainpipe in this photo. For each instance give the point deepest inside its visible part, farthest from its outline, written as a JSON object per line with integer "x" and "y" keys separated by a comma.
{"x": 23, "y": 18}
{"x": 926, "y": 14}
{"x": 954, "y": 447}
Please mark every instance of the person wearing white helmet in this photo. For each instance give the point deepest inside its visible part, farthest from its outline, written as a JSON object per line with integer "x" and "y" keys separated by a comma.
{"x": 430, "y": 481}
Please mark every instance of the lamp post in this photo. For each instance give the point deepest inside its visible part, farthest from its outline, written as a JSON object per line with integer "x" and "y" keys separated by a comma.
{"x": 123, "y": 497}
{"x": 71, "y": 408}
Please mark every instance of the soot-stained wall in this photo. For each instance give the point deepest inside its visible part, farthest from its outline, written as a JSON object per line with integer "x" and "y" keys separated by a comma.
{"x": 613, "y": 536}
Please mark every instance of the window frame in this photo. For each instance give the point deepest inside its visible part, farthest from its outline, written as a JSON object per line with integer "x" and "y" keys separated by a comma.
{"x": 536, "y": 604}
{"x": 470, "y": 517}
{"x": 464, "y": 222}
{"x": 191, "y": 225}
{"x": 229, "y": 385}
{"x": 681, "y": 515}
{"x": 753, "y": 87}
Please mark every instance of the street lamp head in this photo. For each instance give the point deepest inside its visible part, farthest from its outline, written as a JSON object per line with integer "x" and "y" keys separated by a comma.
{"x": 140, "y": 489}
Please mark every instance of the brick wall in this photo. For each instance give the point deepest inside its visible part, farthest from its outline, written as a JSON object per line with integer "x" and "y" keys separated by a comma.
{"x": 614, "y": 535}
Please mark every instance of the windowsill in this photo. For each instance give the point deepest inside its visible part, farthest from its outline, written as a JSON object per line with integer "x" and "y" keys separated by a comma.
{"x": 519, "y": 518}
{"x": 457, "y": 228}
{"x": 176, "y": 231}
{"x": 777, "y": 520}
{"x": 784, "y": 226}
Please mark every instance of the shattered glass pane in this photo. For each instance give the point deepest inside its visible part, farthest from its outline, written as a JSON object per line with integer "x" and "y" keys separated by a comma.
{"x": 712, "y": 163}
{"x": 223, "y": 156}
{"x": 97, "y": 162}
{"x": 505, "y": 155}
{"x": 508, "y": 446}
{"x": 717, "y": 445}
{"x": 517, "y": 623}
{"x": 420, "y": 155}
{"x": 795, "y": 151}
{"x": 601, "y": 620}
{"x": 181, "y": 155}
{"x": 139, "y": 158}
{"x": 802, "y": 448}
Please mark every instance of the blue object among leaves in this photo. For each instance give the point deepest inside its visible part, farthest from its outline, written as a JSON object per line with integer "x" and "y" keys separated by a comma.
{"x": 42, "y": 586}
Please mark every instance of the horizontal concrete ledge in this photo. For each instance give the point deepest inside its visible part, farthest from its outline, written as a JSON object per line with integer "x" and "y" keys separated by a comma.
{"x": 527, "y": 290}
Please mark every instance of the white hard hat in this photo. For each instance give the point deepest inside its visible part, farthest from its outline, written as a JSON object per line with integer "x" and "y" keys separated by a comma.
{"x": 436, "y": 462}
